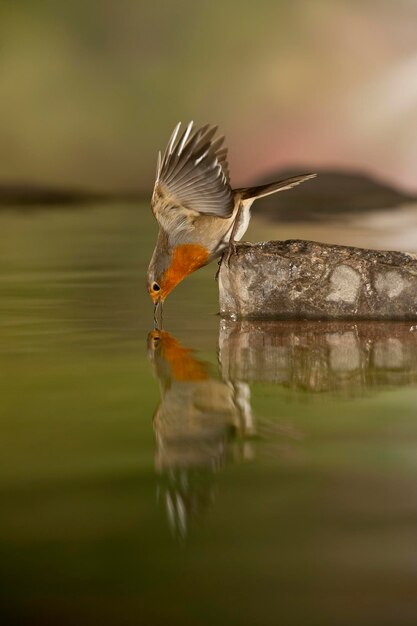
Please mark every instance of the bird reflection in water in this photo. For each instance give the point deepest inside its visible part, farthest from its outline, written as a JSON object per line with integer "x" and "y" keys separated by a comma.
{"x": 200, "y": 424}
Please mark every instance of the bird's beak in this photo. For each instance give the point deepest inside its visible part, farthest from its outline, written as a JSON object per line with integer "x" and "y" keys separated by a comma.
{"x": 157, "y": 323}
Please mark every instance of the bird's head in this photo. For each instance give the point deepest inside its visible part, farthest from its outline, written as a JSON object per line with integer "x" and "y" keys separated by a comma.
{"x": 169, "y": 266}
{"x": 157, "y": 284}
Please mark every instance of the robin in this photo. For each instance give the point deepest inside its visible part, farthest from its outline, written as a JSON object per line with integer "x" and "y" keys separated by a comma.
{"x": 199, "y": 214}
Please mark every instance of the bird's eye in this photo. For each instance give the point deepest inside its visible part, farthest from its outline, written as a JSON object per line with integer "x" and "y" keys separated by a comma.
{"x": 155, "y": 287}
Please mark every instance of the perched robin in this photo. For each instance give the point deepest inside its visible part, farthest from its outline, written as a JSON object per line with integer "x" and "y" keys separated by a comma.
{"x": 198, "y": 213}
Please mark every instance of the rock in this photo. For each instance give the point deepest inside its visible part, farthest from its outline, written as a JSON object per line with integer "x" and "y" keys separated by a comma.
{"x": 319, "y": 356}
{"x": 310, "y": 280}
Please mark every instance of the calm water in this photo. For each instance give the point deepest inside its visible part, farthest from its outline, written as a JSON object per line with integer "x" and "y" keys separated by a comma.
{"x": 214, "y": 473}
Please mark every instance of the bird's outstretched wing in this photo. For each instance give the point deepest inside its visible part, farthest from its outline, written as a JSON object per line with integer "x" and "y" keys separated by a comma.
{"x": 192, "y": 177}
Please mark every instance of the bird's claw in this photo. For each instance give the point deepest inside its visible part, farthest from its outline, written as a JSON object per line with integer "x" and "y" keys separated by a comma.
{"x": 225, "y": 258}
{"x": 219, "y": 264}
{"x": 231, "y": 250}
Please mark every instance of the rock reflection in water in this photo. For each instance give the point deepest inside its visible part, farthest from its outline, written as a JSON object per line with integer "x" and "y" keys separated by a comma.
{"x": 320, "y": 356}
{"x": 200, "y": 423}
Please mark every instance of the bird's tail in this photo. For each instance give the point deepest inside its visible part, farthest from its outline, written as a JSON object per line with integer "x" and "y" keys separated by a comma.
{"x": 251, "y": 193}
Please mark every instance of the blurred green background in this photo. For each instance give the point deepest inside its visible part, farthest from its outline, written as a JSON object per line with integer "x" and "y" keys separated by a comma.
{"x": 90, "y": 90}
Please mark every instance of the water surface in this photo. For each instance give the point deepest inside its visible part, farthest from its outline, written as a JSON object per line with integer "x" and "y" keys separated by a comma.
{"x": 216, "y": 472}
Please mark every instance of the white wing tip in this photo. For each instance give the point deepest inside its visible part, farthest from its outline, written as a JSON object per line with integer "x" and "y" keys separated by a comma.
{"x": 200, "y": 158}
{"x": 185, "y": 138}
{"x": 173, "y": 138}
{"x": 158, "y": 166}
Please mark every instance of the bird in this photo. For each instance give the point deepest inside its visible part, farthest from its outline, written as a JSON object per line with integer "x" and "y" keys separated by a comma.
{"x": 200, "y": 216}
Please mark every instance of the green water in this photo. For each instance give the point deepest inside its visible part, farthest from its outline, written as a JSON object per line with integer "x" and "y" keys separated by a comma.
{"x": 218, "y": 474}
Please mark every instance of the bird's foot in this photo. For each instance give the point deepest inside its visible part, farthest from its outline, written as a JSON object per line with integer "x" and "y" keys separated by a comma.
{"x": 225, "y": 257}
{"x": 219, "y": 263}
{"x": 231, "y": 250}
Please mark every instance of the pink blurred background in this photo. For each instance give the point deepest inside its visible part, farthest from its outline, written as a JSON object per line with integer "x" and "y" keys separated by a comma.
{"x": 91, "y": 90}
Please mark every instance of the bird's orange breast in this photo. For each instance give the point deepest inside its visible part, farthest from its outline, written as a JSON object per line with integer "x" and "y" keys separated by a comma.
{"x": 186, "y": 258}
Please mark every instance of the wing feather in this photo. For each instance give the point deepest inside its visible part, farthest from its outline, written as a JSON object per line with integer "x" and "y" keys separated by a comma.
{"x": 192, "y": 176}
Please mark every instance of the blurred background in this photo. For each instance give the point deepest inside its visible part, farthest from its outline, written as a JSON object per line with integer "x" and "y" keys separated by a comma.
{"x": 91, "y": 90}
